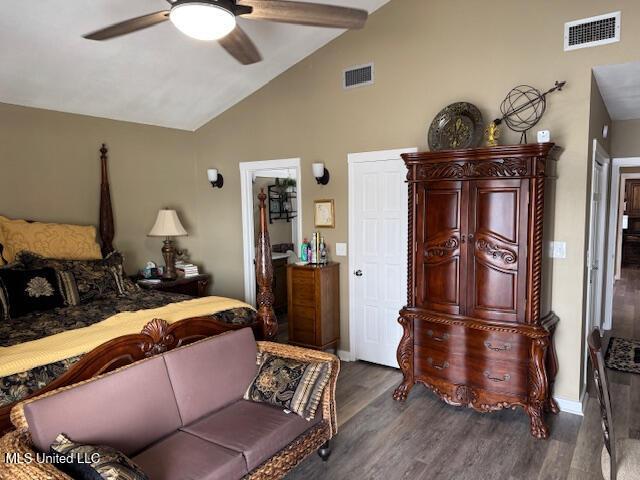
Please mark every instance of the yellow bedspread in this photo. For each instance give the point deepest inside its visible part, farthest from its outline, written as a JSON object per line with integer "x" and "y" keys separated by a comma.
{"x": 23, "y": 357}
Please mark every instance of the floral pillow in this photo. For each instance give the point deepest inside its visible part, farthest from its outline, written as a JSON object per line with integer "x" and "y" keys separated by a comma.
{"x": 25, "y": 291}
{"x": 94, "y": 278}
{"x": 290, "y": 384}
{"x": 90, "y": 462}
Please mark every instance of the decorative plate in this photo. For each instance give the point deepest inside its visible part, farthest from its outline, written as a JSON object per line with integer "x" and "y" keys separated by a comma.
{"x": 457, "y": 126}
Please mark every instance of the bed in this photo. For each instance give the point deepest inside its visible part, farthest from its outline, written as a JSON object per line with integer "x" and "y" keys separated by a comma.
{"x": 139, "y": 307}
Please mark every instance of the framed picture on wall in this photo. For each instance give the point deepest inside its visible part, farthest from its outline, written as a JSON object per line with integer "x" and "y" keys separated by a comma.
{"x": 324, "y": 214}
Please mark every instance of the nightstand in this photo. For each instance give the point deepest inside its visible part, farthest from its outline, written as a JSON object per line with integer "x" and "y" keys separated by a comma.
{"x": 194, "y": 286}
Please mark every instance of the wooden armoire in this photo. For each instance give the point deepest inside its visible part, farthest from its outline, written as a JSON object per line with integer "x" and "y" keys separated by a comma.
{"x": 478, "y": 327}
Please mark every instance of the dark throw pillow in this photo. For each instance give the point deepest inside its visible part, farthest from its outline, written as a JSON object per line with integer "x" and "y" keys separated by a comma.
{"x": 93, "y": 278}
{"x": 26, "y": 291}
{"x": 290, "y": 384}
{"x": 89, "y": 462}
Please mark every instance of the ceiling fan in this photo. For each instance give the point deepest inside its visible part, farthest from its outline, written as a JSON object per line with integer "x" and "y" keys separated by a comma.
{"x": 216, "y": 20}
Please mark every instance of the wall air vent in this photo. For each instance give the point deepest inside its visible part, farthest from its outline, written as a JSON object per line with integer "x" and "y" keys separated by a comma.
{"x": 358, "y": 76}
{"x": 592, "y": 32}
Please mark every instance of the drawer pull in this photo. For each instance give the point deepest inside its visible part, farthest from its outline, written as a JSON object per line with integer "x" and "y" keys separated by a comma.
{"x": 505, "y": 378}
{"x": 504, "y": 348}
{"x": 437, "y": 367}
{"x": 443, "y": 338}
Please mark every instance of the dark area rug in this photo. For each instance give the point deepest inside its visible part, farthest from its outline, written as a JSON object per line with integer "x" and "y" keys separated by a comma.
{"x": 623, "y": 354}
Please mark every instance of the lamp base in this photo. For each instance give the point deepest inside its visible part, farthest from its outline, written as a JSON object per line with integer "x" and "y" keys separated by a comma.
{"x": 169, "y": 255}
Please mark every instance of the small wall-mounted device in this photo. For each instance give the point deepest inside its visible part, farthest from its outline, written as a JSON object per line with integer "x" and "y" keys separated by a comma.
{"x": 544, "y": 136}
{"x": 605, "y": 131}
{"x": 216, "y": 178}
{"x": 558, "y": 249}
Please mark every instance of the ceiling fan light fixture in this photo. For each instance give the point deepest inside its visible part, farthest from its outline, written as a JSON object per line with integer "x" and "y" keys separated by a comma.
{"x": 202, "y": 20}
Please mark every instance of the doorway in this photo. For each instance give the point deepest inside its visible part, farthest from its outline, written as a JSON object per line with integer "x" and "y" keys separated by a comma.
{"x": 284, "y": 176}
{"x": 620, "y": 174}
{"x": 378, "y": 214}
{"x": 596, "y": 261}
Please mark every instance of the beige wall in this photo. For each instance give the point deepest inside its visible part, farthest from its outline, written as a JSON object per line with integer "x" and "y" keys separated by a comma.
{"x": 625, "y": 139}
{"x": 50, "y": 170}
{"x": 427, "y": 54}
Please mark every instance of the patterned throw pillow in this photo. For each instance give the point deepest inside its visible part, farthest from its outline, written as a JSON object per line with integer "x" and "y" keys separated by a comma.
{"x": 93, "y": 278}
{"x": 68, "y": 288}
{"x": 290, "y": 384}
{"x": 25, "y": 291}
{"x": 89, "y": 462}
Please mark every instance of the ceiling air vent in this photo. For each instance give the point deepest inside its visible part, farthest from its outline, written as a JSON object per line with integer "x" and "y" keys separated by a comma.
{"x": 592, "y": 32}
{"x": 358, "y": 76}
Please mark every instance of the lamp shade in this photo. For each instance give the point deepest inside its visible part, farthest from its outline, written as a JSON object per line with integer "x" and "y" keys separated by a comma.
{"x": 202, "y": 20}
{"x": 318, "y": 169}
{"x": 167, "y": 225}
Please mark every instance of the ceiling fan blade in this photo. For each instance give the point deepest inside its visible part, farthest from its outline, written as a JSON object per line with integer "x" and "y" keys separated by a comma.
{"x": 241, "y": 47}
{"x": 129, "y": 26}
{"x": 311, "y": 14}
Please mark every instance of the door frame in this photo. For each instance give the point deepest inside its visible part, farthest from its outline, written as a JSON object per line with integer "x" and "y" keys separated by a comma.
{"x": 352, "y": 159}
{"x": 247, "y": 173}
{"x": 614, "y": 204}
{"x": 601, "y": 157}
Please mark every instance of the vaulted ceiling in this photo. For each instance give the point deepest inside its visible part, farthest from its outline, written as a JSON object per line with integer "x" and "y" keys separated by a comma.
{"x": 156, "y": 76}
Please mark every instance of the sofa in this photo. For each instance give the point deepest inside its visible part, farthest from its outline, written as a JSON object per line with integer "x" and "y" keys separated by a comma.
{"x": 179, "y": 415}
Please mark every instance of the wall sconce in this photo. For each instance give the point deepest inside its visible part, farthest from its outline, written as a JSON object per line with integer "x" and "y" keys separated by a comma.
{"x": 216, "y": 179}
{"x": 321, "y": 173}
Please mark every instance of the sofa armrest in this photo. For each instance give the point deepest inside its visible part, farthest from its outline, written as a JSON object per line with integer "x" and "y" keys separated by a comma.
{"x": 305, "y": 354}
{"x": 18, "y": 460}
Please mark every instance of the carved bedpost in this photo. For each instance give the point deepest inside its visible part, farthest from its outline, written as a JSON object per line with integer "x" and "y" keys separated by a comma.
{"x": 264, "y": 276}
{"x": 107, "y": 230}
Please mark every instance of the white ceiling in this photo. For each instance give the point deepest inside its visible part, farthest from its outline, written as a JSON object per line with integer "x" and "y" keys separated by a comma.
{"x": 620, "y": 89}
{"x": 156, "y": 76}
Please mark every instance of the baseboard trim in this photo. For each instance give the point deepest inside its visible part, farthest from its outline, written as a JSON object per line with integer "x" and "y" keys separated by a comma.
{"x": 345, "y": 356}
{"x": 572, "y": 406}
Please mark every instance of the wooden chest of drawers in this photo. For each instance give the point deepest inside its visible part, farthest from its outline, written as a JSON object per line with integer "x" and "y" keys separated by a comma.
{"x": 314, "y": 305}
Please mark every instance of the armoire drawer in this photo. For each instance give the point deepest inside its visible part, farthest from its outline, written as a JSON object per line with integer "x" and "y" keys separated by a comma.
{"x": 495, "y": 376}
{"x": 470, "y": 341}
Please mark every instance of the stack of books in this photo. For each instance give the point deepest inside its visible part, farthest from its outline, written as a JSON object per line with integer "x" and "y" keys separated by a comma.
{"x": 188, "y": 269}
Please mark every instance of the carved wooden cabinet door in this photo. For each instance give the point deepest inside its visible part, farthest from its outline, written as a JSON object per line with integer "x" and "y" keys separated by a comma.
{"x": 497, "y": 249}
{"x": 440, "y": 246}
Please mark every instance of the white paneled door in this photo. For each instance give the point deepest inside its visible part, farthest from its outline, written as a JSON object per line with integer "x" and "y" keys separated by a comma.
{"x": 377, "y": 253}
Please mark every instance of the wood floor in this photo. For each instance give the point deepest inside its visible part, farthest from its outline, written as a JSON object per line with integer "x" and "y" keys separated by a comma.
{"x": 426, "y": 439}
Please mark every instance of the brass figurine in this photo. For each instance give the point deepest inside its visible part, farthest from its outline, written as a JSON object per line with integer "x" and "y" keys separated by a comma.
{"x": 492, "y": 134}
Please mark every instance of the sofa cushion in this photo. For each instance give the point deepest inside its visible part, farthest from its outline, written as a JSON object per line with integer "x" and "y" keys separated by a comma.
{"x": 127, "y": 410}
{"x": 183, "y": 456}
{"x": 211, "y": 374}
{"x": 93, "y": 461}
{"x": 257, "y": 430}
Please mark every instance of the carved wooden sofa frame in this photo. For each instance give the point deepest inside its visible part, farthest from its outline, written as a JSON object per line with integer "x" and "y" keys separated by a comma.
{"x": 158, "y": 337}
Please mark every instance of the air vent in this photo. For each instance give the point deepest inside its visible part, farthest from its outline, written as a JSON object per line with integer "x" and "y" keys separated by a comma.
{"x": 358, "y": 76}
{"x": 592, "y": 32}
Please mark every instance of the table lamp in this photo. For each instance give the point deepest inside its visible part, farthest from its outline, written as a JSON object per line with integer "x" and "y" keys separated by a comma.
{"x": 168, "y": 225}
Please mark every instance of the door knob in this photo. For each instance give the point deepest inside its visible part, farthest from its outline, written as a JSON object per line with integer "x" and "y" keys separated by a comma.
{"x": 358, "y": 273}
